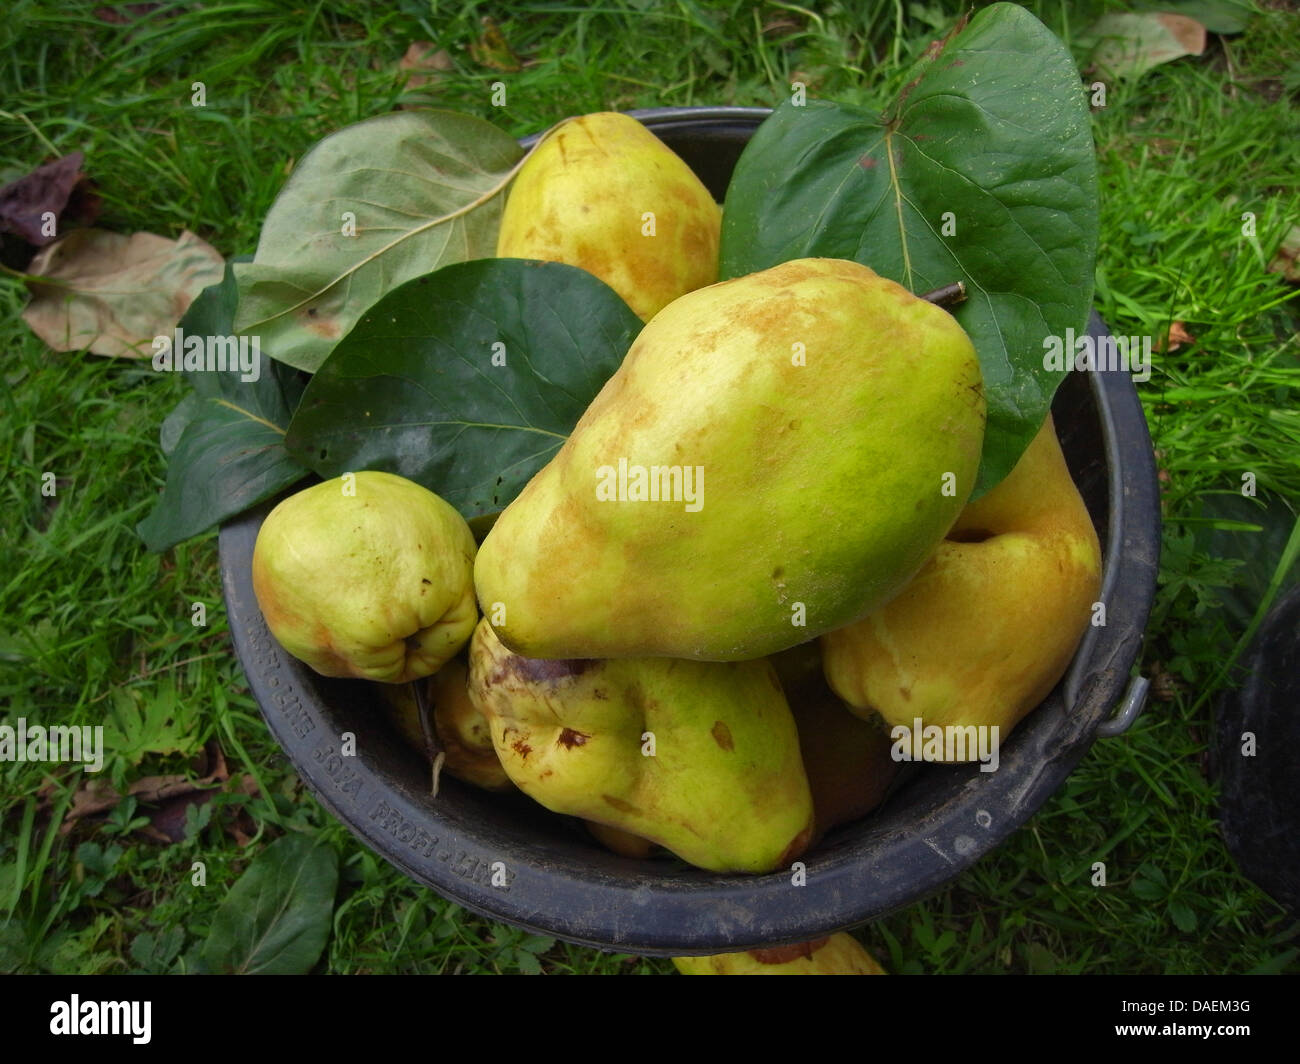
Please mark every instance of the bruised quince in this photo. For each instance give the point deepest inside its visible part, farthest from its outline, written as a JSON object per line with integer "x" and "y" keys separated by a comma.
{"x": 699, "y": 757}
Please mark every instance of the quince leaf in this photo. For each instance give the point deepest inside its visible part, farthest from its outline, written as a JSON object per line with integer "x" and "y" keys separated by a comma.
{"x": 368, "y": 208}
{"x": 225, "y": 440}
{"x": 983, "y": 170}
{"x": 1129, "y": 43}
{"x": 467, "y": 380}
{"x": 276, "y": 918}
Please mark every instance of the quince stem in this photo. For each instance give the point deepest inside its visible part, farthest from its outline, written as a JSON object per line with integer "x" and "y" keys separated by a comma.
{"x": 432, "y": 748}
{"x": 947, "y": 296}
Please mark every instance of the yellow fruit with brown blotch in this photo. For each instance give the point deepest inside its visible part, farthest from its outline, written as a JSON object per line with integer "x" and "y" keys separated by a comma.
{"x": 840, "y": 954}
{"x": 623, "y": 843}
{"x": 603, "y": 193}
{"x": 699, "y": 757}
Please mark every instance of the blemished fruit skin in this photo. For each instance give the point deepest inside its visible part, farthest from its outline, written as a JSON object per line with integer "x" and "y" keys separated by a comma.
{"x": 370, "y": 578}
{"x": 825, "y": 426}
{"x": 840, "y": 954}
{"x": 583, "y": 196}
{"x": 989, "y": 626}
{"x": 701, "y": 758}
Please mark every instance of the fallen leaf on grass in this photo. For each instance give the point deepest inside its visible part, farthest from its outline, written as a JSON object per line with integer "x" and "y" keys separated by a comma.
{"x": 27, "y": 203}
{"x": 1287, "y": 260}
{"x": 1130, "y": 44}
{"x": 98, "y": 795}
{"x": 112, "y": 293}
{"x": 1176, "y": 337}
{"x": 174, "y": 792}
{"x": 426, "y": 63}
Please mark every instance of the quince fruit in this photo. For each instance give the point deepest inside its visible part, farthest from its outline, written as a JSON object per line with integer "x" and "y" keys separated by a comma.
{"x": 840, "y": 954}
{"x": 699, "y": 757}
{"x": 466, "y": 741}
{"x": 988, "y": 627}
{"x": 776, "y": 457}
{"x": 368, "y": 575}
{"x": 605, "y": 194}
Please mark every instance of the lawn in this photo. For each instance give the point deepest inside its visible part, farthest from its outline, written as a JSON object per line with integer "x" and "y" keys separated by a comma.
{"x": 95, "y": 629}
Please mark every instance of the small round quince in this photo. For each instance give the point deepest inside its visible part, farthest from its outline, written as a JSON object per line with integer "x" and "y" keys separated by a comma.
{"x": 368, "y": 575}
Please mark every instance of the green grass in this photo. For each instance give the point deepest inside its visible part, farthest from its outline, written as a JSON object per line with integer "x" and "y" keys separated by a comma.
{"x": 96, "y": 630}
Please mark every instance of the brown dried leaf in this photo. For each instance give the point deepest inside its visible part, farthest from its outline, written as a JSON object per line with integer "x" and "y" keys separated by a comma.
{"x": 781, "y": 27}
{"x": 426, "y": 63}
{"x": 1186, "y": 31}
{"x": 167, "y": 823}
{"x": 113, "y": 294}
{"x": 45, "y": 189}
{"x": 97, "y": 794}
{"x": 1176, "y": 337}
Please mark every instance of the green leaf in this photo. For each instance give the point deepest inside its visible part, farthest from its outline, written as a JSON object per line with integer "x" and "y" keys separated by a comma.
{"x": 1217, "y": 16}
{"x": 424, "y": 189}
{"x": 225, "y": 441}
{"x": 991, "y": 137}
{"x": 1183, "y": 917}
{"x": 414, "y": 390}
{"x": 155, "y": 953}
{"x": 277, "y": 916}
{"x": 1148, "y": 890}
{"x": 153, "y": 722}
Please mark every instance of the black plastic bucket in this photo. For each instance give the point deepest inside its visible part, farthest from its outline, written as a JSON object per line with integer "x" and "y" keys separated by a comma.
{"x": 506, "y": 857}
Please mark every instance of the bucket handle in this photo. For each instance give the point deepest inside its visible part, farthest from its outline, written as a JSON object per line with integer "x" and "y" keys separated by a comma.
{"x": 1130, "y": 708}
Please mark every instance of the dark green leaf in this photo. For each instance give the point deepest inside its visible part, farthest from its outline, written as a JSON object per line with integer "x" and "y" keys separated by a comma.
{"x": 1148, "y": 890}
{"x": 422, "y": 189}
{"x": 993, "y": 138}
{"x": 1183, "y": 917}
{"x": 277, "y": 916}
{"x": 225, "y": 442}
{"x": 413, "y": 390}
{"x": 174, "y": 425}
